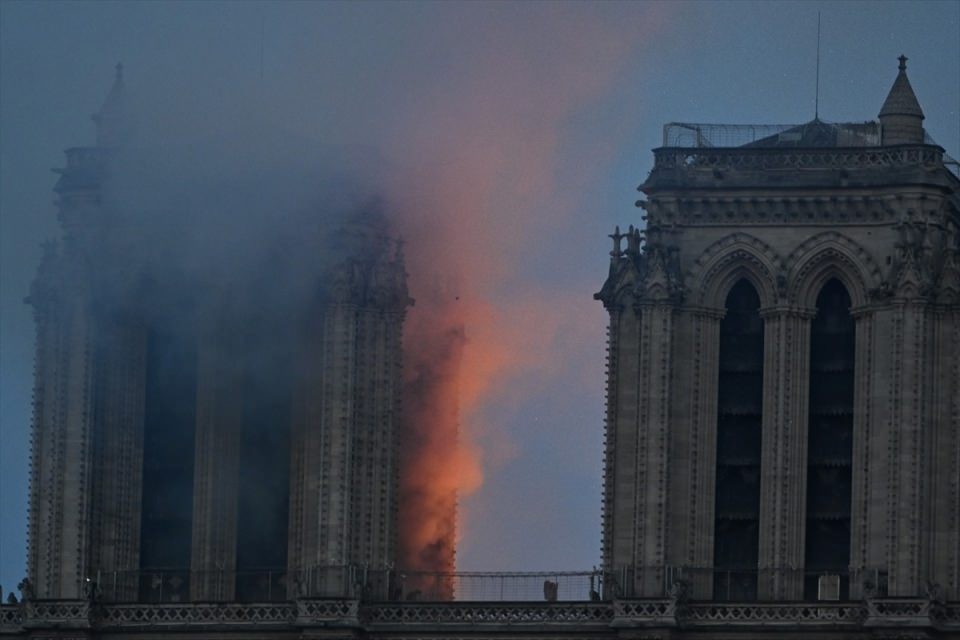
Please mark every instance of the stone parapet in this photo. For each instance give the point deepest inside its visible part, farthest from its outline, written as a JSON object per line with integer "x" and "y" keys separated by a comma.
{"x": 351, "y": 618}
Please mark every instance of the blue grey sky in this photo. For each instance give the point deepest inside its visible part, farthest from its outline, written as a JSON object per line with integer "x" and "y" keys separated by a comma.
{"x": 536, "y": 118}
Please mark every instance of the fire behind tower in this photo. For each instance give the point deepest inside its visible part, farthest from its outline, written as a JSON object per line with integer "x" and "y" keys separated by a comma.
{"x": 219, "y": 382}
{"x": 782, "y": 428}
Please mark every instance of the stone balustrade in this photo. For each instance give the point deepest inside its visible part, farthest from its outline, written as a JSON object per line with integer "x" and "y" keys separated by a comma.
{"x": 590, "y": 619}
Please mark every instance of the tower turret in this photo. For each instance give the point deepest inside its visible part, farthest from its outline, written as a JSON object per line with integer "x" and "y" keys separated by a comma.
{"x": 901, "y": 116}
{"x": 109, "y": 119}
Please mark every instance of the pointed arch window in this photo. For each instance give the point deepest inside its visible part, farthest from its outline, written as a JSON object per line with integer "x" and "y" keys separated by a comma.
{"x": 739, "y": 416}
{"x": 264, "y": 475}
{"x": 830, "y": 440}
{"x": 166, "y": 526}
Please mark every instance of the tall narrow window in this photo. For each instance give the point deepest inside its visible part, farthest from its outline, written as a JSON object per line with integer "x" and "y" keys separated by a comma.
{"x": 264, "y": 491}
{"x": 739, "y": 415}
{"x": 830, "y": 440}
{"x": 168, "y": 439}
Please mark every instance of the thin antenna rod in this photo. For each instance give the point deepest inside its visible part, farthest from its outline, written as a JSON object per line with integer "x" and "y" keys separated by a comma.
{"x": 816, "y": 102}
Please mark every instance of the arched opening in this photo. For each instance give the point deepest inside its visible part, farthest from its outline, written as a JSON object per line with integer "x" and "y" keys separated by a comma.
{"x": 264, "y": 471}
{"x": 739, "y": 418}
{"x": 166, "y": 525}
{"x": 830, "y": 442}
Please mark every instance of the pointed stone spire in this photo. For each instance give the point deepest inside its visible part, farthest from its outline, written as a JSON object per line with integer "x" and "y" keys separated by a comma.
{"x": 901, "y": 116}
{"x": 109, "y": 119}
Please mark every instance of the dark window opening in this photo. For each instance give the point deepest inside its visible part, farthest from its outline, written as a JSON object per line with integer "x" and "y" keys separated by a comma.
{"x": 739, "y": 417}
{"x": 264, "y": 482}
{"x": 166, "y": 529}
{"x": 830, "y": 440}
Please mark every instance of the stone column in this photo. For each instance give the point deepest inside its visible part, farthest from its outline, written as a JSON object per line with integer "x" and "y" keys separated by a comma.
{"x": 118, "y": 451}
{"x": 945, "y": 481}
{"x": 321, "y": 442}
{"x": 610, "y": 444}
{"x": 909, "y": 492}
{"x": 783, "y": 484}
{"x": 375, "y": 428}
{"x": 620, "y": 490}
{"x": 216, "y": 460}
{"x": 652, "y": 455}
{"x": 865, "y": 486}
{"x": 62, "y": 442}
{"x": 694, "y": 447}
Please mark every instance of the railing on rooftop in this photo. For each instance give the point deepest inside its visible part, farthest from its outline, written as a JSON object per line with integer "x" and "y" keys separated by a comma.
{"x": 825, "y": 158}
{"x": 173, "y": 585}
{"x": 816, "y": 133}
{"x": 690, "y": 134}
{"x": 731, "y": 584}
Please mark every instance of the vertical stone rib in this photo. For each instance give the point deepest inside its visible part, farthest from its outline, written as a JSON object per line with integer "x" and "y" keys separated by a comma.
{"x": 783, "y": 452}
{"x": 61, "y": 477}
{"x": 945, "y": 477}
{"x": 910, "y": 450}
{"x": 217, "y": 457}
{"x": 47, "y": 417}
{"x": 703, "y": 449}
{"x": 623, "y": 473}
{"x": 610, "y": 443}
{"x": 115, "y": 538}
{"x": 652, "y": 450}
{"x": 861, "y": 481}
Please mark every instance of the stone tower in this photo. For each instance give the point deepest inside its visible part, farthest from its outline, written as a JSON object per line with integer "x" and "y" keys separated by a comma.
{"x": 783, "y": 395}
{"x": 190, "y": 447}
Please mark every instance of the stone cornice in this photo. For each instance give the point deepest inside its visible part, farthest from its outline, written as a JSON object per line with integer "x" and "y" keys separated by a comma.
{"x": 696, "y": 208}
{"x": 799, "y": 158}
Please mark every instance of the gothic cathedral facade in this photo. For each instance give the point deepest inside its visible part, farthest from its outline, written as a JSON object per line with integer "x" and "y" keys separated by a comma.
{"x": 183, "y": 449}
{"x": 783, "y": 396}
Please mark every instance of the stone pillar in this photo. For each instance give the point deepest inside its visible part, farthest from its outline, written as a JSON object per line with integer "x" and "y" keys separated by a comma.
{"x": 694, "y": 447}
{"x": 783, "y": 483}
{"x": 866, "y": 484}
{"x": 945, "y": 484}
{"x": 118, "y": 451}
{"x": 216, "y": 459}
{"x": 613, "y": 487}
{"x": 652, "y": 455}
{"x": 322, "y": 442}
{"x": 62, "y": 447}
{"x": 909, "y": 447}
{"x": 375, "y": 429}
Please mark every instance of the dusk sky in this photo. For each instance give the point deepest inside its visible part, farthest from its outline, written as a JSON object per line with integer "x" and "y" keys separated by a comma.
{"x": 528, "y": 127}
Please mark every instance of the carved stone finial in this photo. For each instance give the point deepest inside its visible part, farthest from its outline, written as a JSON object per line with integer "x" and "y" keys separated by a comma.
{"x": 616, "y": 236}
{"x": 903, "y": 62}
{"x": 679, "y": 591}
{"x": 26, "y": 589}
{"x": 633, "y": 242}
{"x": 933, "y": 592}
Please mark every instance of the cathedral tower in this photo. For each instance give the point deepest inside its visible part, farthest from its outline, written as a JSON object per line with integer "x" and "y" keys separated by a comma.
{"x": 204, "y": 440}
{"x": 782, "y": 397}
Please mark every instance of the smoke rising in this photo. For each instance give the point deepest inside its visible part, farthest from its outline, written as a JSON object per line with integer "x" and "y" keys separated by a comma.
{"x": 488, "y": 204}
{"x": 239, "y": 186}
{"x": 475, "y": 178}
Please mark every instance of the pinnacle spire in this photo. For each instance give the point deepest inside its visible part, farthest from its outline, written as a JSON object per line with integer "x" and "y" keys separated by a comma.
{"x": 109, "y": 119}
{"x": 901, "y": 118}
{"x": 901, "y": 101}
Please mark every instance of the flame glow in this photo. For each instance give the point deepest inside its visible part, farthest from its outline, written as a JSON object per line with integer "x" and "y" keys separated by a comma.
{"x": 490, "y": 140}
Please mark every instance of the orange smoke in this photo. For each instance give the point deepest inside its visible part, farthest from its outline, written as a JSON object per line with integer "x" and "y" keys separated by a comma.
{"x": 481, "y": 204}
